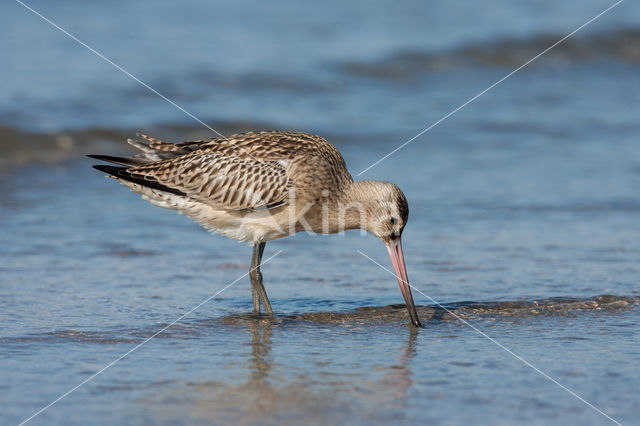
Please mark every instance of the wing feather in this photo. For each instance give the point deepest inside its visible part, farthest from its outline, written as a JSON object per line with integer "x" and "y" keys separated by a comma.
{"x": 154, "y": 149}
{"x": 221, "y": 180}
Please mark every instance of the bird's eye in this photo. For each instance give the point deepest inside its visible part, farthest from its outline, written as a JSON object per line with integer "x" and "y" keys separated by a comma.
{"x": 394, "y": 220}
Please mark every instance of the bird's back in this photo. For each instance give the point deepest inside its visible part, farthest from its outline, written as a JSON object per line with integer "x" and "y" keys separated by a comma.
{"x": 242, "y": 171}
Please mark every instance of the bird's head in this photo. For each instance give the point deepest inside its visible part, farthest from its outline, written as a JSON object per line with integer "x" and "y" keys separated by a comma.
{"x": 387, "y": 212}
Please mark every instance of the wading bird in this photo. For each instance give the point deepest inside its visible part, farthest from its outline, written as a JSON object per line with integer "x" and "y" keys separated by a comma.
{"x": 260, "y": 186}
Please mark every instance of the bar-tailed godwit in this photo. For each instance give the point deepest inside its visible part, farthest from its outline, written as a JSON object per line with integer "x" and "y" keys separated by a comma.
{"x": 260, "y": 186}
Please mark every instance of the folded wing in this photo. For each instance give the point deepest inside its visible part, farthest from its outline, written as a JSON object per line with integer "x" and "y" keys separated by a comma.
{"x": 219, "y": 180}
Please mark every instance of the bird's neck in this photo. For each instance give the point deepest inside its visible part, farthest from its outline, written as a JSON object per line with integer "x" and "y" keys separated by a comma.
{"x": 356, "y": 204}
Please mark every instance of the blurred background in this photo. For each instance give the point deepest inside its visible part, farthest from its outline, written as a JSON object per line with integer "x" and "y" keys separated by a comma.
{"x": 379, "y": 70}
{"x": 524, "y": 212}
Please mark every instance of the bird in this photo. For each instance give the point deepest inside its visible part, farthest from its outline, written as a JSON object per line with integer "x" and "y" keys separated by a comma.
{"x": 264, "y": 185}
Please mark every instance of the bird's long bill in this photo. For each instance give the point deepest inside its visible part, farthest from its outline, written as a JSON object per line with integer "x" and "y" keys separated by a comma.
{"x": 394, "y": 247}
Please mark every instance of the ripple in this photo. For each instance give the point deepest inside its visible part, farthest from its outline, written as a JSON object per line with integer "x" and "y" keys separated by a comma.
{"x": 363, "y": 316}
{"x": 621, "y": 45}
{"x": 550, "y": 307}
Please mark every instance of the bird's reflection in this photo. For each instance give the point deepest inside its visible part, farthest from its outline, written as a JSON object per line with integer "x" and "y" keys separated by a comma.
{"x": 396, "y": 383}
{"x": 260, "y": 361}
{"x": 398, "y": 379}
{"x": 273, "y": 390}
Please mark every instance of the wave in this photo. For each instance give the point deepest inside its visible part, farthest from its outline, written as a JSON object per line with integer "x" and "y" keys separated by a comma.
{"x": 549, "y": 307}
{"x": 373, "y": 315}
{"x": 619, "y": 45}
{"x": 21, "y": 147}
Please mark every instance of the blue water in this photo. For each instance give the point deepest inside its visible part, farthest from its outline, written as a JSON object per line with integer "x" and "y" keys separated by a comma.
{"x": 524, "y": 216}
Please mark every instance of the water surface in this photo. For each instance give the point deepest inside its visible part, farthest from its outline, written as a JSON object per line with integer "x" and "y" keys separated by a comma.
{"x": 523, "y": 224}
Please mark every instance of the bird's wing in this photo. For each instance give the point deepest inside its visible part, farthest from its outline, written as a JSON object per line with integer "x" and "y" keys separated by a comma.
{"x": 260, "y": 146}
{"x": 220, "y": 180}
{"x": 153, "y": 149}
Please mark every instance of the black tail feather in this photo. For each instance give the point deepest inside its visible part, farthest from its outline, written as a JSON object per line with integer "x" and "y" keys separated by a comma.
{"x": 125, "y": 161}
{"x": 112, "y": 170}
{"x": 122, "y": 173}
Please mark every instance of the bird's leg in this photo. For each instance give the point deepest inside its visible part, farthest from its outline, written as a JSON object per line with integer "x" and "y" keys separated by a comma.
{"x": 254, "y": 270}
{"x": 255, "y": 297}
{"x": 257, "y": 288}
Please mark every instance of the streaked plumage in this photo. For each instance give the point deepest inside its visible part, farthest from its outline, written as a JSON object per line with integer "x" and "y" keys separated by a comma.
{"x": 259, "y": 186}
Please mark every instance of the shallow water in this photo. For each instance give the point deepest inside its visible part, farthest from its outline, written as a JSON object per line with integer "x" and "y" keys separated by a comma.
{"x": 523, "y": 226}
